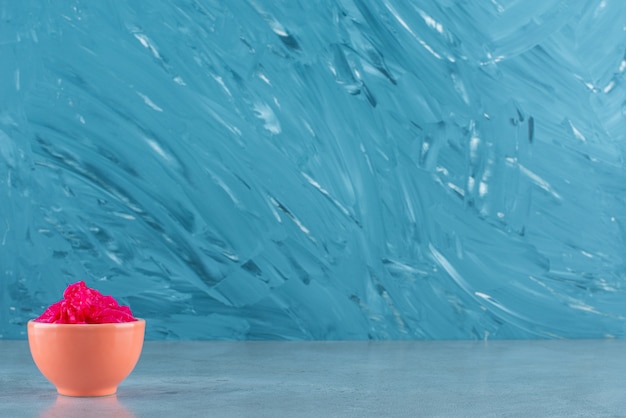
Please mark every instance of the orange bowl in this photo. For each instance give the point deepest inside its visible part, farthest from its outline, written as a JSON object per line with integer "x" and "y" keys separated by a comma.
{"x": 86, "y": 359}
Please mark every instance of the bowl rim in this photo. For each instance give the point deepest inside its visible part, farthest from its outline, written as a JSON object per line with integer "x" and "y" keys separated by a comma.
{"x": 100, "y": 325}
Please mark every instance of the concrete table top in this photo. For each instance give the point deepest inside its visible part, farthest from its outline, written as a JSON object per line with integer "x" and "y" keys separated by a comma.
{"x": 341, "y": 379}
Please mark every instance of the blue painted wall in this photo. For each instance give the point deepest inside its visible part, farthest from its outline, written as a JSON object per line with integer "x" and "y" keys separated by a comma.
{"x": 344, "y": 169}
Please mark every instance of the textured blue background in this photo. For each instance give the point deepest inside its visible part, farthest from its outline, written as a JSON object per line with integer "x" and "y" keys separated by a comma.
{"x": 318, "y": 170}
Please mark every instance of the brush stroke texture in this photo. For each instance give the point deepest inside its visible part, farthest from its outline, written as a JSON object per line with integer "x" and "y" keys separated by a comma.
{"x": 344, "y": 169}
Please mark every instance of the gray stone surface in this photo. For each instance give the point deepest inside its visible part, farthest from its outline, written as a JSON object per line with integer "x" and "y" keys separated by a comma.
{"x": 341, "y": 379}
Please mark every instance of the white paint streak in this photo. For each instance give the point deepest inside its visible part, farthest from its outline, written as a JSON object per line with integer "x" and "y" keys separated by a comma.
{"x": 483, "y": 188}
{"x": 325, "y": 192}
{"x": 291, "y": 216}
{"x": 126, "y": 216}
{"x": 221, "y": 183}
{"x": 145, "y": 41}
{"x": 449, "y": 268}
{"x": 149, "y": 102}
{"x": 456, "y": 188}
{"x": 408, "y": 29}
{"x": 6, "y": 232}
{"x": 265, "y": 79}
{"x": 577, "y": 133}
{"x": 265, "y": 112}
{"x": 543, "y": 184}
{"x": 114, "y": 258}
{"x": 431, "y": 22}
{"x": 273, "y": 206}
{"x": 158, "y": 149}
{"x": 474, "y": 142}
{"x": 220, "y": 81}
{"x": 459, "y": 86}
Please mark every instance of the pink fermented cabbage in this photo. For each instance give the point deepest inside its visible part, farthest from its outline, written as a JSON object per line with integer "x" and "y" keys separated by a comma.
{"x": 83, "y": 305}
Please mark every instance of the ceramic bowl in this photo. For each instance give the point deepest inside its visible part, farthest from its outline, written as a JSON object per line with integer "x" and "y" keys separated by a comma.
{"x": 86, "y": 359}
